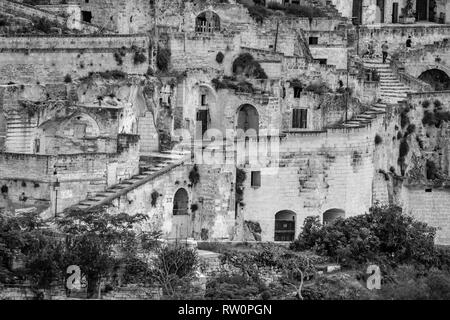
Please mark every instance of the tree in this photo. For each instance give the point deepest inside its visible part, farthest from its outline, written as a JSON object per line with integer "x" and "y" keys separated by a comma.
{"x": 95, "y": 241}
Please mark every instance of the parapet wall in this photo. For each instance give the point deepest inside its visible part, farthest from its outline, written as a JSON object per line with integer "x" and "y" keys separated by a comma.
{"x": 24, "y": 10}
{"x": 31, "y": 59}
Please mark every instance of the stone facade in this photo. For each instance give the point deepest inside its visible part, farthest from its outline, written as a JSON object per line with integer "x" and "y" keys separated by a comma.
{"x": 99, "y": 120}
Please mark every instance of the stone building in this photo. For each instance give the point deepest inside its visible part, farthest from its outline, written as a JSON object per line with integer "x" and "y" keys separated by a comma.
{"x": 221, "y": 124}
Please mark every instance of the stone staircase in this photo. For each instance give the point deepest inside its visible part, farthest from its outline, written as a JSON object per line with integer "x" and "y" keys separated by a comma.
{"x": 392, "y": 89}
{"x": 151, "y": 166}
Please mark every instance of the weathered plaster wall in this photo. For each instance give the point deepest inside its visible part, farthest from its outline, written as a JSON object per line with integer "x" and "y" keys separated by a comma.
{"x": 319, "y": 171}
{"x": 214, "y": 196}
{"x": 50, "y": 59}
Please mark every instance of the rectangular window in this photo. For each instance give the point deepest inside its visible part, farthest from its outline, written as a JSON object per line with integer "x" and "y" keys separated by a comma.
{"x": 299, "y": 118}
{"x": 313, "y": 40}
{"x": 297, "y": 92}
{"x": 256, "y": 179}
{"x": 86, "y": 16}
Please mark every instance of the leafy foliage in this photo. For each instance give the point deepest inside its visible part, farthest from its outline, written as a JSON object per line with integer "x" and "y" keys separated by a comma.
{"x": 174, "y": 268}
{"x": 384, "y": 236}
{"x": 163, "y": 59}
{"x": 219, "y": 57}
{"x": 194, "y": 176}
{"x": 245, "y": 64}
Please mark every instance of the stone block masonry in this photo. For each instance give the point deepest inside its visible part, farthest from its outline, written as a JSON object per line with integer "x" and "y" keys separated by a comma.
{"x": 49, "y": 59}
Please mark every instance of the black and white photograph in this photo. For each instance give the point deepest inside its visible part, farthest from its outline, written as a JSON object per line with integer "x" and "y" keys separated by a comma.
{"x": 224, "y": 156}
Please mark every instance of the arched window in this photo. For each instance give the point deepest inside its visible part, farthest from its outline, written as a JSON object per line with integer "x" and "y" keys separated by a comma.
{"x": 332, "y": 215}
{"x": 248, "y": 119}
{"x": 285, "y": 226}
{"x": 438, "y": 79}
{"x": 180, "y": 202}
{"x": 207, "y": 21}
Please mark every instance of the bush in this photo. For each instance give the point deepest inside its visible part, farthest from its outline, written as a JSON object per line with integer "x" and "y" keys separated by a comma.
{"x": 232, "y": 287}
{"x": 404, "y": 148}
{"x": 163, "y": 59}
{"x": 428, "y": 118}
{"x": 411, "y": 129}
{"x": 432, "y": 171}
{"x": 245, "y": 64}
{"x": 385, "y": 236}
{"x": 139, "y": 57}
{"x": 378, "y": 140}
{"x": 318, "y": 88}
{"x": 404, "y": 119}
{"x": 118, "y": 58}
{"x": 67, "y": 78}
{"x": 219, "y": 57}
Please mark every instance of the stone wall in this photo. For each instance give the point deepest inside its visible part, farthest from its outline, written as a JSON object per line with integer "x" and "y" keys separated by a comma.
{"x": 396, "y": 35}
{"x": 78, "y": 175}
{"x": 213, "y": 197}
{"x": 318, "y": 172}
{"x": 23, "y": 10}
{"x": 49, "y": 59}
{"x": 430, "y": 205}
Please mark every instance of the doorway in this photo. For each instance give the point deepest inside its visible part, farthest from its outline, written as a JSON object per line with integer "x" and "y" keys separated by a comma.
{"x": 202, "y": 123}
{"x": 248, "y": 119}
{"x": 285, "y": 226}
{"x": 381, "y": 7}
{"x": 395, "y": 12}
{"x": 422, "y": 10}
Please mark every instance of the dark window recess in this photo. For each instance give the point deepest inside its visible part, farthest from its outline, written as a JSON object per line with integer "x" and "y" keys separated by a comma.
{"x": 299, "y": 118}
{"x": 322, "y": 61}
{"x": 284, "y": 230}
{"x": 204, "y": 102}
{"x": 256, "y": 179}
{"x": 428, "y": 190}
{"x": 4, "y": 189}
{"x": 297, "y": 92}
{"x": 86, "y": 16}
{"x": 313, "y": 40}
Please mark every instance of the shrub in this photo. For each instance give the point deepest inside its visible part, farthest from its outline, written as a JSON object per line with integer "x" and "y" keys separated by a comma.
{"x": 426, "y": 104}
{"x": 67, "y": 78}
{"x": 318, "y": 88}
{"x": 404, "y": 119}
{"x": 118, "y": 58}
{"x": 384, "y": 236}
{"x": 437, "y": 104}
{"x": 173, "y": 269}
{"x": 219, "y": 57}
{"x": 411, "y": 129}
{"x": 154, "y": 196}
{"x": 139, "y": 57}
{"x": 245, "y": 64}
{"x": 378, "y": 140}
{"x": 432, "y": 171}
{"x": 428, "y": 118}
{"x": 194, "y": 176}
{"x": 404, "y": 148}
{"x": 232, "y": 287}
{"x": 163, "y": 59}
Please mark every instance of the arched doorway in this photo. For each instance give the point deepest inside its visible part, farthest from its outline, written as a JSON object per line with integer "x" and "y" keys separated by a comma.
{"x": 332, "y": 215}
{"x": 248, "y": 119}
{"x": 285, "y": 226}
{"x": 181, "y": 218}
{"x": 207, "y": 21}
{"x": 438, "y": 79}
